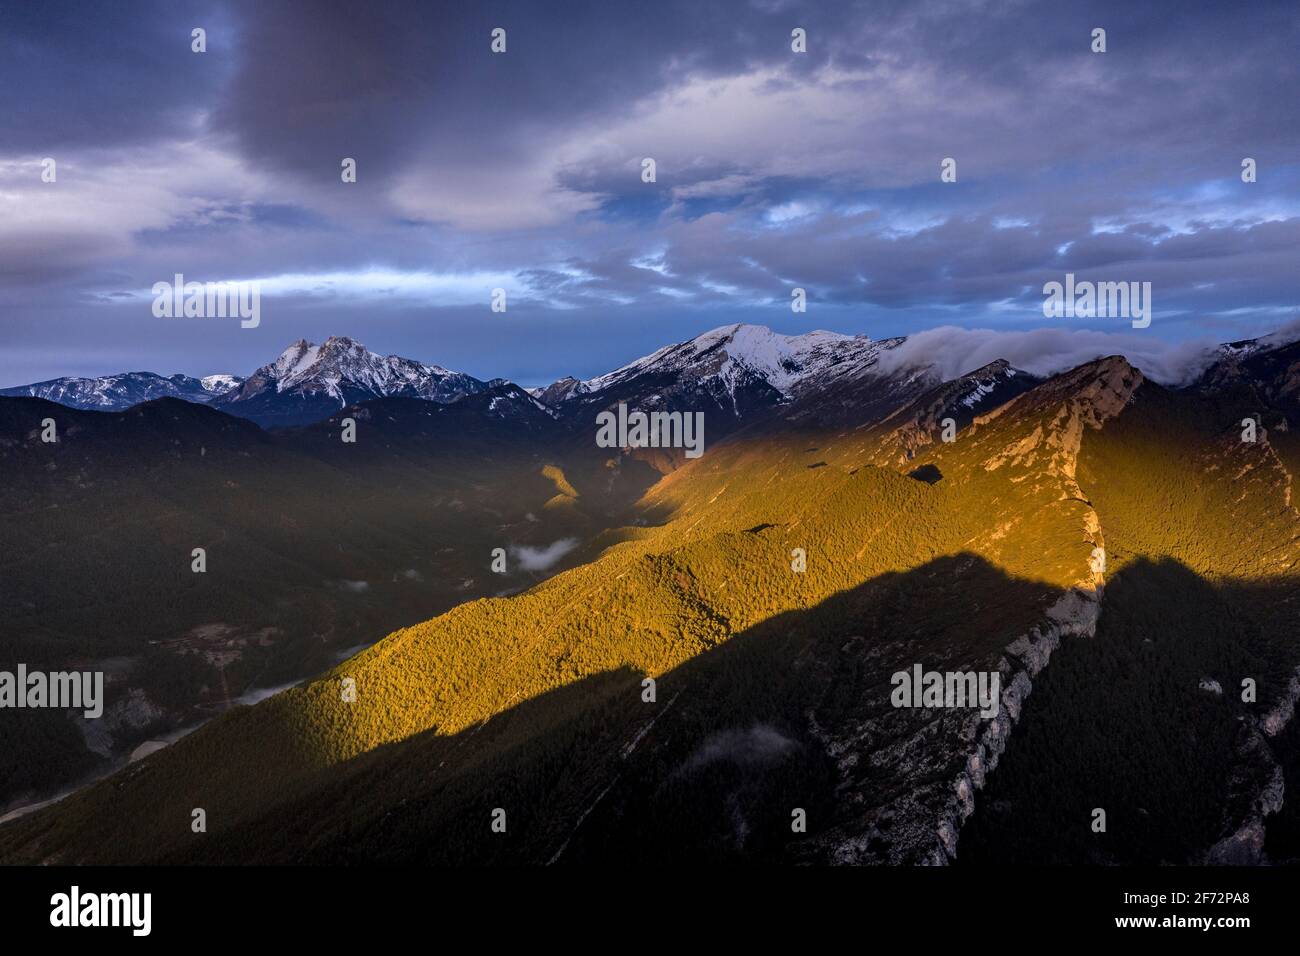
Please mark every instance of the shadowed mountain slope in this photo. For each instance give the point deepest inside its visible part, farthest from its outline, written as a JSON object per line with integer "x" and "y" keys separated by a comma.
{"x": 312, "y": 546}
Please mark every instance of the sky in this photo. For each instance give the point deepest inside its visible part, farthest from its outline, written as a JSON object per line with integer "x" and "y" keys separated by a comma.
{"x": 522, "y": 170}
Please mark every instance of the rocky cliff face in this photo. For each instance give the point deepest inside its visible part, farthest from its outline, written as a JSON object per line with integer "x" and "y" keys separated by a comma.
{"x": 1257, "y": 781}
{"x": 1084, "y": 399}
{"x": 1023, "y": 456}
{"x": 1075, "y": 615}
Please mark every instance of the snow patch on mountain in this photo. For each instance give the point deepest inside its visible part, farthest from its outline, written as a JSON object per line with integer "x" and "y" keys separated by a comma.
{"x": 295, "y": 363}
{"x": 220, "y": 384}
{"x": 952, "y": 351}
{"x": 984, "y": 386}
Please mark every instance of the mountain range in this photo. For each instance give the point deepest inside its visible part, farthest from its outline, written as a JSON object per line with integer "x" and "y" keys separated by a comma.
{"x": 729, "y": 373}
{"x": 1119, "y": 552}
{"x": 113, "y": 393}
{"x": 736, "y": 375}
{"x": 305, "y": 384}
{"x": 733, "y": 373}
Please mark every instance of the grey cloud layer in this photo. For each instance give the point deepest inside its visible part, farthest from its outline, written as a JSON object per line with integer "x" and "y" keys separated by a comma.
{"x": 775, "y": 170}
{"x": 953, "y": 351}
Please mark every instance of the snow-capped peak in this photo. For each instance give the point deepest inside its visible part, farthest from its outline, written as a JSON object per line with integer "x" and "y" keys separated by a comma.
{"x": 738, "y": 353}
{"x": 220, "y": 383}
{"x": 346, "y": 371}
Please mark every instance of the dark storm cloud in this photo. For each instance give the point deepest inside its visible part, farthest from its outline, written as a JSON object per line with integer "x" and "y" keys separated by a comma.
{"x": 332, "y": 78}
{"x": 94, "y": 74}
{"x": 329, "y": 78}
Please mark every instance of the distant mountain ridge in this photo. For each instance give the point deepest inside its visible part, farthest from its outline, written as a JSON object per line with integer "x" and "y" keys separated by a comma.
{"x": 112, "y": 393}
{"x": 305, "y": 384}
{"x": 736, "y": 374}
